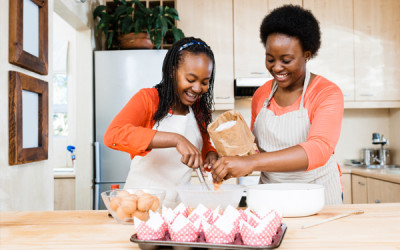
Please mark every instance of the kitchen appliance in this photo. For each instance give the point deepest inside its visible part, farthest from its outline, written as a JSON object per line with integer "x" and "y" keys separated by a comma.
{"x": 246, "y": 86}
{"x": 382, "y": 156}
{"x": 368, "y": 156}
{"x": 118, "y": 76}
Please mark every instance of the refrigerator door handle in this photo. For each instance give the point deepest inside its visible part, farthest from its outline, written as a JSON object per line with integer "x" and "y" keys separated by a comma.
{"x": 96, "y": 145}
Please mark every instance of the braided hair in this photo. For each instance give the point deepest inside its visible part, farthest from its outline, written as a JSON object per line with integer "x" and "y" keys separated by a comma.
{"x": 167, "y": 88}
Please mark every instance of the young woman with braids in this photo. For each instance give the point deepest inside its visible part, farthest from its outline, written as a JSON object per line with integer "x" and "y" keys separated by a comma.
{"x": 164, "y": 128}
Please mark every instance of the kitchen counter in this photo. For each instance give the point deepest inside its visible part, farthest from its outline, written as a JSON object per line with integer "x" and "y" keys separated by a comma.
{"x": 392, "y": 175}
{"x": 377, "y": 228}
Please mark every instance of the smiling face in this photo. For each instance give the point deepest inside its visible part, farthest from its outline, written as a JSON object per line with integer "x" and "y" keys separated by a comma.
{"x": 193, "y": 76}
{"x": 285, "y": 60}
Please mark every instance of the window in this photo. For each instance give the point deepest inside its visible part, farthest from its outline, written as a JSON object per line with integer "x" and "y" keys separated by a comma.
{"x": 60, "y": 105}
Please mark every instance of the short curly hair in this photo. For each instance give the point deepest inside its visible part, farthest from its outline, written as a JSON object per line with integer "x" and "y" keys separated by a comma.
{"x": 293, "y": 21}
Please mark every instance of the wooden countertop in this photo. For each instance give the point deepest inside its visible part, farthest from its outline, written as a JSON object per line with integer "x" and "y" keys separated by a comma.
{"x": 392, "y": 175}
{"x": 377, "y": 228}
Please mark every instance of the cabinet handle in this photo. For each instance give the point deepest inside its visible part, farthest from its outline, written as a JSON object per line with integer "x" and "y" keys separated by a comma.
{"x": 377, "y": 201}
{"x": 222, "y": 97}
{"x": 257, "y": 73}
{"x": 366, "y": 94}
{"x": 346, "y": 95}
{"x": 362, "y": 184}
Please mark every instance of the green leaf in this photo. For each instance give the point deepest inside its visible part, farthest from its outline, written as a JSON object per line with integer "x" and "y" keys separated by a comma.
{"x": 119, "y": 11}
{"x": 157, "y": 39}
{"x": 178, "y": 34}
{"x": 125, "y": 23}
{"x": 171, "y": 12}
{"x": 98, "y": 10}
{"x": 110, "y": 39}
{"x": 164, "y": 26}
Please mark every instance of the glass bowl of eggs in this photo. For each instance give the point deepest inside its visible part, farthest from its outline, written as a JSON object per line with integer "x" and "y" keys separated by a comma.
{"x": 125, "y": 204}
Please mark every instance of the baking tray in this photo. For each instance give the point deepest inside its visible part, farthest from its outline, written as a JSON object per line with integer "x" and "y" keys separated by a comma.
{"x": 276, "y": 242}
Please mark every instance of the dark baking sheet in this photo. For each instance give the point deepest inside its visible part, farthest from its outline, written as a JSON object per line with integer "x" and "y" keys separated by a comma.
{"x": 276, "y": 242}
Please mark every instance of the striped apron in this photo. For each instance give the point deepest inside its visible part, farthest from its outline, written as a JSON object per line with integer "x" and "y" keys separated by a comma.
{"x": 275, "y": 133}
{"x": 162, "y": 167}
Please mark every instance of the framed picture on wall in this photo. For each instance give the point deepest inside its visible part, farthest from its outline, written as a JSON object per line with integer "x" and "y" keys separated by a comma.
{"x": 28, "y": 119}
{"x": 28, "y": 35}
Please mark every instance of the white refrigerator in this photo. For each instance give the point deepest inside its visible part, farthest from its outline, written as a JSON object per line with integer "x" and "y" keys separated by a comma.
{"x": 118, "y": 76}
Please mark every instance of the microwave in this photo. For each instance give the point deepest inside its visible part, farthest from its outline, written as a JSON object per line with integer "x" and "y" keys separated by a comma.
{"x": 246, "y": 86}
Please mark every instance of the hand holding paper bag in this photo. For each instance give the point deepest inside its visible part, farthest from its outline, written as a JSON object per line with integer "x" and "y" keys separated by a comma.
{"x": 231, "y": 135}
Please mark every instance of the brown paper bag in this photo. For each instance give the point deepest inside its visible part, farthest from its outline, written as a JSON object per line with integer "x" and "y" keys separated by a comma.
{"x": 234, "y": 140}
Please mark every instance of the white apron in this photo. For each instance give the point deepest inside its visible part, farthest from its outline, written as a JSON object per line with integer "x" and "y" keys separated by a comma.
{"x": 162, "y": 167}
{"x": 275, "y": 133}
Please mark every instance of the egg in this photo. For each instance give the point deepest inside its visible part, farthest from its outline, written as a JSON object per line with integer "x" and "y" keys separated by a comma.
{"x": 129, "y": 205}
{"x": 156, "y": 204}
{"x": 123, "y": 193}
{"x": 115, "y": 202}
{"x": 141, "y": 215}
{"x": 121, "y": 214}
{"x": 139, "y": 193}
{"x": 145, "y": 202}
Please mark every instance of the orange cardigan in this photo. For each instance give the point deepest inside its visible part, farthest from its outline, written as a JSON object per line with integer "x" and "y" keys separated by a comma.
{"x": 325, "y": 104}
{"x": 132, "y": 130}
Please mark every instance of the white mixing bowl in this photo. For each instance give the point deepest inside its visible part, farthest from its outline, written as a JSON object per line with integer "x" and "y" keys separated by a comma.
{"x": 292, "y": 199}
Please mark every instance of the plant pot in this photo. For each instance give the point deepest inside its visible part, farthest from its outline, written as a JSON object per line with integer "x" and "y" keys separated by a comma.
{"x": 135, "y": 41}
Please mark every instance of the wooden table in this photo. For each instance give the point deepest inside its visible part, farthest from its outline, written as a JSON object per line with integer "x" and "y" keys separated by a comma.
{"x": 377, "y": 228}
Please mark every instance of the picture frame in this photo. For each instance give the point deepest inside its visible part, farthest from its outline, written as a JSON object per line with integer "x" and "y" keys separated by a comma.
{"x": 28, "y": 46}
{"x": 27, "y": 94}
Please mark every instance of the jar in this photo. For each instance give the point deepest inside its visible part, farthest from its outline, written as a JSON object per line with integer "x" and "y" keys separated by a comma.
{"x": 368, "y": 156}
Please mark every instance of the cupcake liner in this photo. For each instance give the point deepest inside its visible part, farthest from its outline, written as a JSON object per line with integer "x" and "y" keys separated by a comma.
{"x": 181, "y": 209}
{"x": 152, "y": 229}
{"x": 214, "y": 234}
{"x": 183, "y": 230}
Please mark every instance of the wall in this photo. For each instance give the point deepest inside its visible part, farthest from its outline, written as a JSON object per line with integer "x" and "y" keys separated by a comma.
{"x": 27, "y": 186}
{"x": 357, "y": 128}
{"x": 79, "y": 16}
{"x": 32, "y": 185}
{"x": 65, "y": 32}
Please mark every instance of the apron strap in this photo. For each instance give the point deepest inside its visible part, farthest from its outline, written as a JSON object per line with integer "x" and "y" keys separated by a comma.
{"x": 267, "y": 101}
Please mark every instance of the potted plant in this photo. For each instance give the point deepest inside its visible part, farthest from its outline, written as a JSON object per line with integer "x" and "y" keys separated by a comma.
{"x": 133, "y": 18}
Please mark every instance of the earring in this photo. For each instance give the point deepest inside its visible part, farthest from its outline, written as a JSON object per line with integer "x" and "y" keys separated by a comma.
{"x": 307, "y": 59}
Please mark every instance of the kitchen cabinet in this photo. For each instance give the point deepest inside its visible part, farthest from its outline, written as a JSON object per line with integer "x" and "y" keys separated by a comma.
{"x": 359, "y": 189}
{"x": 377, "y": 50}
{"x": 335, "y": 58}
{"x": 360, "y": 48}
{"x": 64, "y": 192}
{"x": 346, "y": 182}
{"x": 382, "y": 191}
{"x": 212, "y": 21}
{"x": 249, "y": 52}
{"x": 371, "y": 190}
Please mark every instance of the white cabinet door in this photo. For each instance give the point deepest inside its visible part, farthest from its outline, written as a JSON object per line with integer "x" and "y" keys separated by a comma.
{"x": 377, "y": 50}
{"x": 249, "y": 51}
{"x": 249, "y": 56}
{"x": 212, "y": 21}
{"x": 335, "y": 59}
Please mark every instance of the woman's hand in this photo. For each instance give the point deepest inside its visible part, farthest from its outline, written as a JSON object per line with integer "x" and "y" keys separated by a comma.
{"x": 211, "y": 158}
{"x": 230, "y": 166}
{"x": 191, "y": 156}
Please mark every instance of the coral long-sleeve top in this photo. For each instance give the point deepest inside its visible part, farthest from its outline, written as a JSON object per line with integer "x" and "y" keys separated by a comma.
{"x": 132, "y": 130}
{"x": 325, "y": 104}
